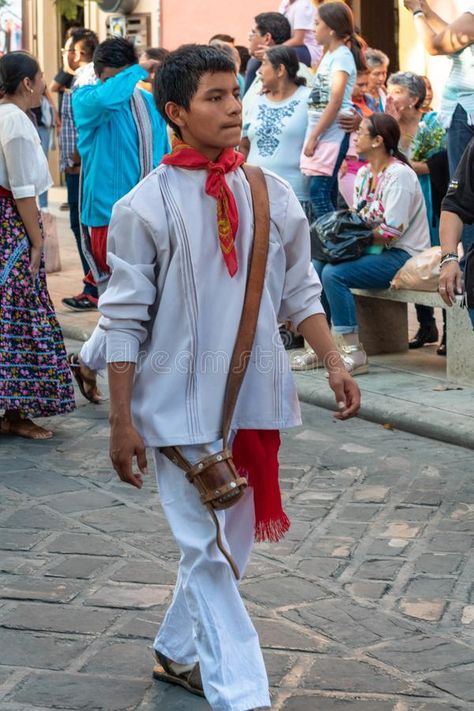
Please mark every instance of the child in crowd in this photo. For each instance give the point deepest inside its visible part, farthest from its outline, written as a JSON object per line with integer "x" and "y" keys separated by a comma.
{"x": 326, "y": 142}
{"x": 352, "y": 163}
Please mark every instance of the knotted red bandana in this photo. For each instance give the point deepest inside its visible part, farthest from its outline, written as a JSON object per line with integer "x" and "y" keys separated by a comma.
{"x": 185, "y": 156}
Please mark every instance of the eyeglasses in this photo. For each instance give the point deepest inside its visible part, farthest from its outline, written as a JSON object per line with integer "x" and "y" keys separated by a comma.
{"x": 253, "y": 33}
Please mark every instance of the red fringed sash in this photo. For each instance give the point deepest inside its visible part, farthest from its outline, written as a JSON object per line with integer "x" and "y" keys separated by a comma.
{"x": 255, "y": 454}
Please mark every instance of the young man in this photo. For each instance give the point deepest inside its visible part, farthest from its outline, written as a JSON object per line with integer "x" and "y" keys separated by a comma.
{"x": 179, "y": 248}
{"x": 120, "y": 138}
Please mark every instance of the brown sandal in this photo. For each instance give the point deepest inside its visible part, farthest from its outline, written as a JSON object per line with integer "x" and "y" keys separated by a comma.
{"x": 190, "y": 680}
{"x": 92, "y": 394}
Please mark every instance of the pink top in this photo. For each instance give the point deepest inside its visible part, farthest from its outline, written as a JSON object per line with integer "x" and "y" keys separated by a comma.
{"x": 301, "y": 15}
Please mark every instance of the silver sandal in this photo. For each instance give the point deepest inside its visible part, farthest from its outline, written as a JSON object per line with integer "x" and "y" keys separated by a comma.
{"x": 308, "y": 360}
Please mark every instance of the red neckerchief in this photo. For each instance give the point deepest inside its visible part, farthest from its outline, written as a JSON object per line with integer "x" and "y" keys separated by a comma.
{"x": 185, "y": 156}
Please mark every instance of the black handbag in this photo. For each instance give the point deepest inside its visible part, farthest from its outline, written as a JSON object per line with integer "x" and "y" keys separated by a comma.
{"x": 340, "y": 236}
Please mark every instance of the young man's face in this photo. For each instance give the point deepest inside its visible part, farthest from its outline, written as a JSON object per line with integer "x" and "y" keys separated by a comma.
{"x": 214, "y": 118}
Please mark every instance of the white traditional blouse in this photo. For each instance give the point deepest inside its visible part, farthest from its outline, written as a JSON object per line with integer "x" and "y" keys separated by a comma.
{"x": 172, "y": 308}
{"x": 394, "y": 205}
{"x": 23, "y": 165}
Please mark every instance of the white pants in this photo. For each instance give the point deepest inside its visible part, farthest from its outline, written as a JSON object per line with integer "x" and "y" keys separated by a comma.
{"x": 93, "y": 351}
{"x": 207, "y": 620}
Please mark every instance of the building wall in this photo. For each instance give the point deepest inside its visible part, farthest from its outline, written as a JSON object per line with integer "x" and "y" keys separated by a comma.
{"x": 197, "y": 21}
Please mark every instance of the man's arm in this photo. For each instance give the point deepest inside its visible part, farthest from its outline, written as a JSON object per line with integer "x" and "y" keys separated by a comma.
{"x": 450, "y": 279}
{"x": 315, "y": 331}
{"x": 435, "y": 21}
{"x": 457, "y": 209}
{"x": 449, "y": 38}
{"x": 125, "y": 442}
{"x": 92, "y": 105}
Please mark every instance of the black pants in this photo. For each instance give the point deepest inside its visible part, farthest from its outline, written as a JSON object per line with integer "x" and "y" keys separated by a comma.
{"x": 72, "y": 184}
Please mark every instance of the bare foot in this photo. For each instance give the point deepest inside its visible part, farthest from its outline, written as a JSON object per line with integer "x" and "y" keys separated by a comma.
{"x": 23, "y": 428}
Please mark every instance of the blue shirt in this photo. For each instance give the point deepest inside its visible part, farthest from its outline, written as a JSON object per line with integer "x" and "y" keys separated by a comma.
{"x": 276, "y": 131}
{"x": 107, "y": 141}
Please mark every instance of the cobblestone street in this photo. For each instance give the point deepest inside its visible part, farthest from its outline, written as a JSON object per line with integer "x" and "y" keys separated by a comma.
{"x": 367, "y": 604}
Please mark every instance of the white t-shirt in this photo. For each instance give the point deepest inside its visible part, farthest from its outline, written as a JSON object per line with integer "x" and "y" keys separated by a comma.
{"x": 276, "y": 131}
{"x": 23, "y": 165}
{"x": 340, "y": 60}
{"x": 301, "y": 15}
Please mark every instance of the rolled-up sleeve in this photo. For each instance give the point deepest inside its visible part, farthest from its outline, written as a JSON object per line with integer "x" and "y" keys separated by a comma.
{"x": 127, "y": 302}
{"x": 22, "y": 169}
{"x": 302, "y": 288}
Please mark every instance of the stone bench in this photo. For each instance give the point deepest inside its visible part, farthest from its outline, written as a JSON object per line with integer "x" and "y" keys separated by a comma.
{"x": 383, "y": 326}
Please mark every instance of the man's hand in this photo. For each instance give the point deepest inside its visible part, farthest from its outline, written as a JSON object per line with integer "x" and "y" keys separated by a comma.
{"x": 350, "y": 122}
{"x": 413, "y": 5}
{"x": 259, "y": 53}
{"x": 450, "y": 282}
{"x": 347, "y": 393}
{"x": 125, "y": 444}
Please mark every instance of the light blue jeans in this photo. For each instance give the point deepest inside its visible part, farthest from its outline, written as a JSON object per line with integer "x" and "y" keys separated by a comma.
{"x": 371, "y": 271}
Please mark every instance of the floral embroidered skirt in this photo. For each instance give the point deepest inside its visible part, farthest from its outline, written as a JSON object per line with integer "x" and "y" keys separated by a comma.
{"x": 35, "y": 379}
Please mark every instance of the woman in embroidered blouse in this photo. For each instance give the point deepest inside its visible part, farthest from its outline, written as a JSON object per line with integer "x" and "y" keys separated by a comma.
{"x": 34, "y": 376}
{"x": 392, "y": 202}
{"x": 274, "y": 130}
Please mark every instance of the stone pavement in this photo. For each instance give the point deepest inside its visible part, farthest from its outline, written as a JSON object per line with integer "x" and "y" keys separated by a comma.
{"x": 367, "y": 605}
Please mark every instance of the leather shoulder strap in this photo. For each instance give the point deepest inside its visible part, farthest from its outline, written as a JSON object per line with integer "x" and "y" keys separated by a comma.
{"x": 253, "y": 293}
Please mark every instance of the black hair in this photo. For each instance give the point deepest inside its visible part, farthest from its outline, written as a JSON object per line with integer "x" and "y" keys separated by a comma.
{"x": 223, "y": 38}
{"x": 387, "y": 128}
{"x": 87, "y": 39}
{"x": 177, "y": 79}
{"x": 244, "y": 57}
{"x": 287, "y": 56}
{"x": 338, "y": 16}
{"x": 114, "y": 52}
{"x": 275, "y": 24}
{"x": 158, "y": 53}
{"x": 14, "y": 67}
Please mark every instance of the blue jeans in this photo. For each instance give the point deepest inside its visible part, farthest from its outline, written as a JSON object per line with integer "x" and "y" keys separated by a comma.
{"x": 459, "y": 135}
{"x": 323, "y": 188}
{"x": 372, "y": 271}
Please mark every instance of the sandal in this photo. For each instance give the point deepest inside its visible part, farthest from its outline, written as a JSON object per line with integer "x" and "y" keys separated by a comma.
{"x": 91, "y": 393}
{"x": 308, "y": 360}
{"x": 189, "y": 680}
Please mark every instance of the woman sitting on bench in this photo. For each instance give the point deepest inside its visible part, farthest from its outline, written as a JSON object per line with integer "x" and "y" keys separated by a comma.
{"x": 395, "y": 208}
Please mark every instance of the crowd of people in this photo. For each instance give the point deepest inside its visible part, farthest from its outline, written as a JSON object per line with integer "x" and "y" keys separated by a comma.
{"x": 165, "y": 220}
